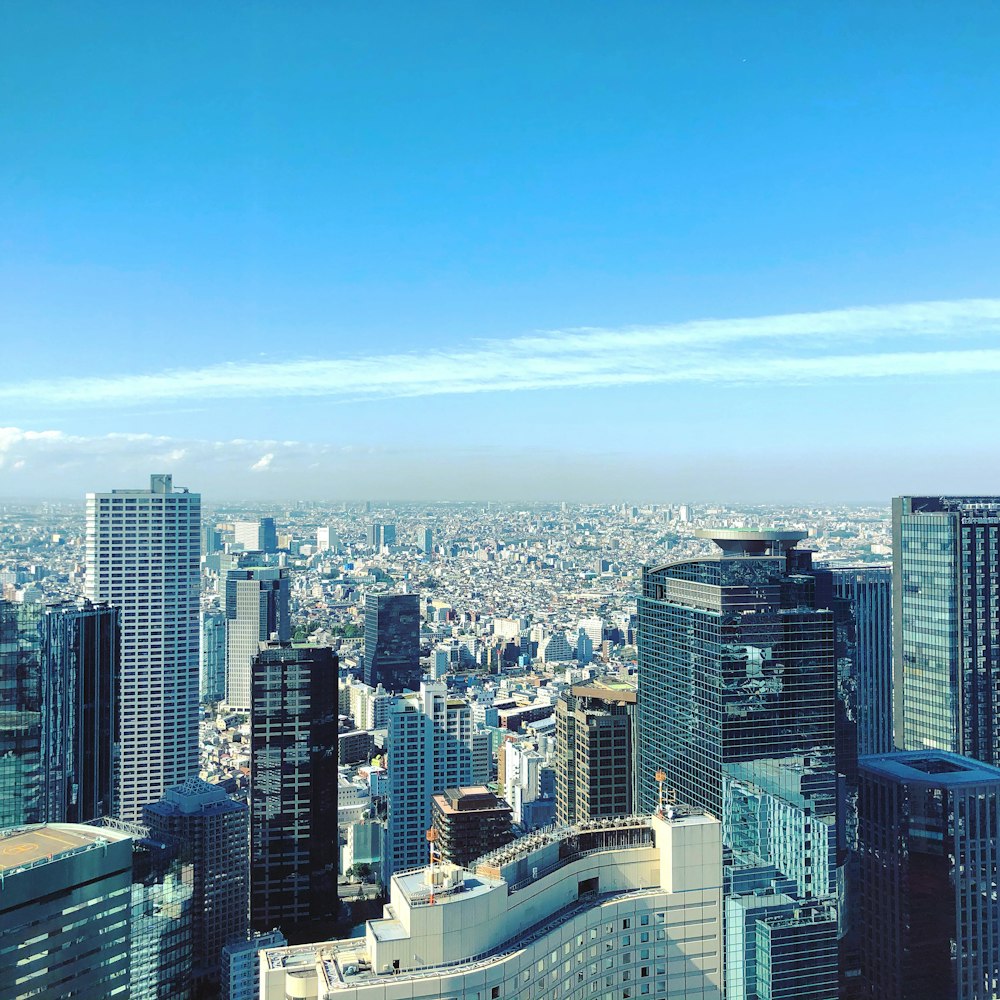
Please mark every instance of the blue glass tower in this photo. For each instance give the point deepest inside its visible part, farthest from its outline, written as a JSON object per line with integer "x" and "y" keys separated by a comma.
{"x": 946, "y": 624}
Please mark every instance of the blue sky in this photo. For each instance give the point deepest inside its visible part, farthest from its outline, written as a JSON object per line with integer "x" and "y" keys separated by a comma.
{"x": 655, "y": 251}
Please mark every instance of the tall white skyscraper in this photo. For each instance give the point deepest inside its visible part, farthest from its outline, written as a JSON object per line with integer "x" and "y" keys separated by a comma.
{"x": 143, "y": 552}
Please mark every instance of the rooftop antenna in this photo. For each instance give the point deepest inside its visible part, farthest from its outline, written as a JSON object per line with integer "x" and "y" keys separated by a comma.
{"x": 661, "y": 776}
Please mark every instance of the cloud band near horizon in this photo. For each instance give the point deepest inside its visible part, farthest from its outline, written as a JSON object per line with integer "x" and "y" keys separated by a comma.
{"x": 955, "y": 338}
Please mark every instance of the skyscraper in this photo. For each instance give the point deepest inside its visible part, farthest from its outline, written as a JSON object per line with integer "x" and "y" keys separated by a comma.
{"x": 863, "y": 612}
{"x": 212, "y": 655}
{"x": 58, "y": 711}
{"x": 51, "y": 874}
{"x": 736, "y": 664}
{"x": 737, "y": 710}
{"x": 256, "y": 610}
{"x": 946, "y": 630}
{"x": 429, "y": 748}
{"x": 143, "y": 558}
{"x": 928, "y": 823}
{"x": 392, "y": 641}
{"x": 381, "y": 535}
{"x": 256, "y": 536}
{"x": 293, "y": 790}
{"x": 213, "y": 833}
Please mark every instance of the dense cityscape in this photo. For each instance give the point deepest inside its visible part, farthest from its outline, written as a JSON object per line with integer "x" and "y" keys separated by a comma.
{"x": 499, "y": 501}
{"x": 345, "y": 747}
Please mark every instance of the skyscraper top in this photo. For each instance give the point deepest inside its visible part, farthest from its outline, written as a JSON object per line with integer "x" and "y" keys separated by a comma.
{"x": 949, "y": 504}
{"x": 934, "y": 768}
{"x": 160, "y": 484}
{"x": 752, "y": 541}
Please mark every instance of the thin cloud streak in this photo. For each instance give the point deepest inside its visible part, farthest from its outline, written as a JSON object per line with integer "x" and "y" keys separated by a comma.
{"x": 870, "y": 342}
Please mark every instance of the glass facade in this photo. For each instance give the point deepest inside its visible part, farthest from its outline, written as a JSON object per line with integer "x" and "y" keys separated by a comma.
{"x": 946, "y": 624}
{"x": 58, "y": 712}
{"x": 293, "y": 790}
{"x": 392, "y": 641}
{"x": 737, "y": 704}
{"x": 928, "y": 835}
{"x": 161, "y": 942}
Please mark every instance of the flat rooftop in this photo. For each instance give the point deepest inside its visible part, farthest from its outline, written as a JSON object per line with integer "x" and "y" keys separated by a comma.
{"x": 29, "y": 845}
{"x": 937, "y": 768}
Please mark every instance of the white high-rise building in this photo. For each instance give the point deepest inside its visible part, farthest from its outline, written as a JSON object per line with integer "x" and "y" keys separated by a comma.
{"x": 327, "y": 540}
{"x": 143, "y": 555}
{"x": 430, "y": 749}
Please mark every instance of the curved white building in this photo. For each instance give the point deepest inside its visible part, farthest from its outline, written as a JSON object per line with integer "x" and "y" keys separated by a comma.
{"x": 622, "y": 909}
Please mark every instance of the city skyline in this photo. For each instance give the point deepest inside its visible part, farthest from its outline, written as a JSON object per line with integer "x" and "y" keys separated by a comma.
{"x": 387, "y": 253}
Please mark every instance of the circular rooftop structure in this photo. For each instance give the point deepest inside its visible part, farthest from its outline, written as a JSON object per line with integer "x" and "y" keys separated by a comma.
{"x": 752, "y": 541}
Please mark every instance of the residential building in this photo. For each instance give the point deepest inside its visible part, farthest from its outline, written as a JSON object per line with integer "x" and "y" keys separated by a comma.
{"x": 58, "y": 711}
{"x": 293, "y": 789}
{"x": 429, "y": 750}
{"x": 143, "y": 558}
{"x": 213, "y": 832}
{"x": 927, "y": 828}
{"x": 627, "y": 908}
{"x": 256, "y": 610}
{"x": 946, "y": 633}
{"x": 425, "y": 540}
{"x": 469, "y": 822}
{"x": 392, "y": 642}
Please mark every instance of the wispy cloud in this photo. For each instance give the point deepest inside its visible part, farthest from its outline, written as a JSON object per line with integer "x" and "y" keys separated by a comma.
{"x": 909, "y": 340}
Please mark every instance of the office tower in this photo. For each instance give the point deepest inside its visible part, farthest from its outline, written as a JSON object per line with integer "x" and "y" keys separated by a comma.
{"x": 58, "y": 711}
{"x": 213, "y": 832}
{"x": 736, "y": 664}
{"x": 256, "y": 536}
{"x": 425, "y": 540}
{"x": 381, "y": 536}
{"x": 946, "y": 639}
{"x": 594, "y": 742}
{"x": 392, "y": 641}
{"x": 429, "y": 750}
{"x": 293, "y": 790}
{"x": 594, "y": 628}
{"x": 470, "y": 822}
{"x": 737, "y": 706}
{"x": 928, "y": 823}
{"x": 241, "y": 964}
{"x": 256, "y": 611}
{"x": 555, "y": 648}
{"x": 627, "y": 908}
{"x": 212, "y": 656}
{"x": 211, "y": 539}
{"x": 327, "y": 540}
{"x": 863, "y": 614}
{"x": 143, "y": 558}
{"x": 51, "y": 874}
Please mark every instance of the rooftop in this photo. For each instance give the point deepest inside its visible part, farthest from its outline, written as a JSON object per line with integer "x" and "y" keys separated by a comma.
{"x": 26, "y": 847}
{"x": 752, "y": 541}
{"x": 937, "y": 768}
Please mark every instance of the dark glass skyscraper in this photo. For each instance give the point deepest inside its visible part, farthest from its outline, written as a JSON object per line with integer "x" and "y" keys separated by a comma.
{"x": 928, "y": 832}
{"x": 946, "y": 624}
{"x": 737, "y": 706}
{"x": 392, "y": 641}
{"x": 293, "y": 790}
{"x": 736, "y": 665}
{"x": 58, "y": 711}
